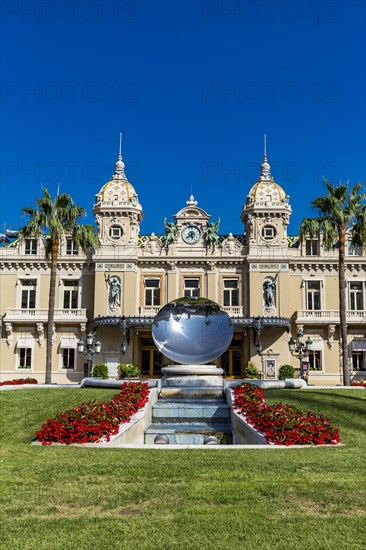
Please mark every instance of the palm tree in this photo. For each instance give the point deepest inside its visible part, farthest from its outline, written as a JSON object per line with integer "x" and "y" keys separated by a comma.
{"x": 51, "y": 220}
{"x": 339, "y": 211}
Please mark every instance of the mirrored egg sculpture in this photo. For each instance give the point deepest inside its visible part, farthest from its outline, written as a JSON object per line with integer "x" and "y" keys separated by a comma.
{"x": 192, "y": 331}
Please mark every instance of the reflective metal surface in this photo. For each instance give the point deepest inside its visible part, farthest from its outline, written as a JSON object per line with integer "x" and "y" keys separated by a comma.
{"x": 190, "y": 331}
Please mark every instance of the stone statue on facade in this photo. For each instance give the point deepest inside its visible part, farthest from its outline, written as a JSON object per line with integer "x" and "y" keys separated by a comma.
{"x": 170, "y": 233}
{"x": 114, "y": 296}
{"x": 211, "y": 233}
{"x": 269, "y": 291}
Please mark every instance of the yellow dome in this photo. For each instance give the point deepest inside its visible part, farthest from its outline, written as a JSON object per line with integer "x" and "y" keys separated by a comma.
{"x": 262, "y": 190}
{"x": 266, "y": 190}
{"x": 118, "y": 189}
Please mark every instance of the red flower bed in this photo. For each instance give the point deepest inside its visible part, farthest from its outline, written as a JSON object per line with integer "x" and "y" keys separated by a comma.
{"x": 359, "y": 383}
{"x": 282, "y": 424}
{"x": 19, "y": 382}
{"x": 92, "y": 420}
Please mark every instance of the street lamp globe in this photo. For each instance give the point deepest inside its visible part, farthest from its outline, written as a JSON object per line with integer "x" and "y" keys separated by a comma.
{"x": 309, "y": 344}
{"x": 291, "y": 345}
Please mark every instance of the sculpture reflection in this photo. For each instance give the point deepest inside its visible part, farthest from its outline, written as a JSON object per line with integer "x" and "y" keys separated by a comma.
{"x": 192, "y": 331}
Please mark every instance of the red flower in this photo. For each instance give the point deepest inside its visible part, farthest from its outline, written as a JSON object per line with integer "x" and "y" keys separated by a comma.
{"x": 19, "y": 381}
{"x": 282, "y": 424}
{"x": 90, "y": 421}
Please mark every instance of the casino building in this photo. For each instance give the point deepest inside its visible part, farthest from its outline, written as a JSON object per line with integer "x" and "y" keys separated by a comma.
{"x": 272, "y": 285}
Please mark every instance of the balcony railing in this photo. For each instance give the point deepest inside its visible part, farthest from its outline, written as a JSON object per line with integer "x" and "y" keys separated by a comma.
{"x": 148, "y": 311}
{"x": 41, "y": 315}
{"x": 234, "y": 311}
{"x": 330, "y": 316}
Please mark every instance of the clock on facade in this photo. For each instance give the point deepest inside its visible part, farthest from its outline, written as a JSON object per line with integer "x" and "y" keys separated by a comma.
{"x": 191, "y": 234}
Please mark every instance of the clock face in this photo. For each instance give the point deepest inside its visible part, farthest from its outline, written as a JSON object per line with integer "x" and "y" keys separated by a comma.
{"x": 191, "y": 234}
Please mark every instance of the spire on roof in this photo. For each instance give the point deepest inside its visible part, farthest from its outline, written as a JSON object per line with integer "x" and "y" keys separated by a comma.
{"x": 120, "y": 165}
{"x": 265, "y": 167}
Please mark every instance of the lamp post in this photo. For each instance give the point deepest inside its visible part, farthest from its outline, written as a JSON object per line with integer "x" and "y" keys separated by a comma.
{"x": 89, "y": 349}
{"x": 300, "y": 349}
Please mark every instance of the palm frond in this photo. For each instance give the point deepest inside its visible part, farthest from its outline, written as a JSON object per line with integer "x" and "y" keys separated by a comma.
{"x": 86, "y": 237}
{"x": 330, "y": 233}
{"x": 359, "y": 228}
{"x": 28, "y": 210}
{"x": 310, "y": 227}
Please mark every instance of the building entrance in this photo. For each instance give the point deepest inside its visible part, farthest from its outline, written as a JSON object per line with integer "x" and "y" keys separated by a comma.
{"x": 231, "y": 362}
{"x": 151, "y": 360}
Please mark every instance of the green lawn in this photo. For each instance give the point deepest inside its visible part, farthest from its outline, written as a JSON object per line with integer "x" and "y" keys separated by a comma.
{"x": 84, "y": 498}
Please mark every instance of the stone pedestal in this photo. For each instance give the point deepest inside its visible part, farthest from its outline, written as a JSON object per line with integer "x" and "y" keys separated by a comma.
{"x": 192, "y": 382}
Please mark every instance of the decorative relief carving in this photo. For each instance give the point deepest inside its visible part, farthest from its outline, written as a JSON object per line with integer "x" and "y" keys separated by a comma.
{"x": 331, "y": 332}
{"x": 53, "y": 338}
{"x": 231, "y": 245}
{"x": 9, "y": 334}
{"x": 152, "y": 245}
{"x": 40, "y": 331}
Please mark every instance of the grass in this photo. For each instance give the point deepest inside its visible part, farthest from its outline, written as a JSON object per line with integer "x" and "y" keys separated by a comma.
{"x": 80, "y": 498}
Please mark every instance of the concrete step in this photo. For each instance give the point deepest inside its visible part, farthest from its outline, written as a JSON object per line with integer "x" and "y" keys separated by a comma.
{"x": 191, "y": 411}
{"x": 191, "y": 393}
{"x": 192, "y": 380}
{"x": 189, "y": 433}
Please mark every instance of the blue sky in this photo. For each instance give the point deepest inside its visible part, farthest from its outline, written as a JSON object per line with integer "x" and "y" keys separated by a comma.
{"x": 193, "y": 86}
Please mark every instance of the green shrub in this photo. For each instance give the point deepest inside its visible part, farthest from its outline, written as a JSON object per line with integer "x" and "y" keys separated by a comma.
{"x": 128, "y": 370}
{"x": 286, "y": 371}
{"x": 252, "y": 371}
{"x": 100, "y": 371}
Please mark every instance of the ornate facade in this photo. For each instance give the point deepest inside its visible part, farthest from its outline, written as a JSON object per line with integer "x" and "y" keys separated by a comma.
{"x": 269, "y": 283}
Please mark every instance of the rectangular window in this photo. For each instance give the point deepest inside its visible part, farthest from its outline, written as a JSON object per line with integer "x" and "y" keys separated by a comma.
{"x": 312, "y": 247}
{"x": 31, "y": 246}
{"x": 71, "y": 294}
{"x": 313, "y": 295}
{"x": 71, "y": 248}
{"x": 152, "y": 292}
{"x": 28, "y": 294}
{"x": 356, "y": 296}
{"x": 315, "y": 362}
{"x": 358, "y": 360}
{"x": 231, "y": 292}
{"x": 191, "y": 288}
{"x": 68, "y": 358}
{"x": 353, "y": 250}
{"x": 25, "y": 358}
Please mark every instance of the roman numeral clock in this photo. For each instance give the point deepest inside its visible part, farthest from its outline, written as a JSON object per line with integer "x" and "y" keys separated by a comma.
{"x": 191, "y": 234}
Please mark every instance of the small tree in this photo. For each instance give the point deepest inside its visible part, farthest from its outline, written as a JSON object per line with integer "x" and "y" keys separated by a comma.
{"x": 286, "y": 371}
{"x": 51, "y": 220}
{"x": 339, "y": 211}
{"x": 100, "y": 370}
